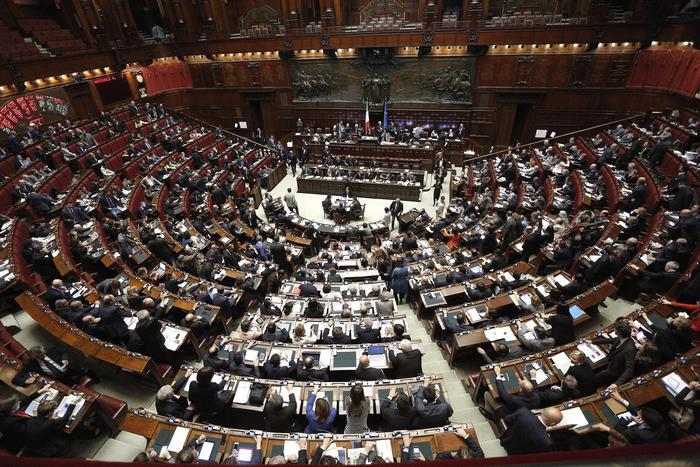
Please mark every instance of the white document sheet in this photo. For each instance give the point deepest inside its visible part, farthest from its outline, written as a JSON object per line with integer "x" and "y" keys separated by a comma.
{"x": 242, "y": 393}
{"x": 205, "y": 452}
{"x": 574, "y": 416}
{"x": 562, "y": 362}
{"x": 177, "y": 442}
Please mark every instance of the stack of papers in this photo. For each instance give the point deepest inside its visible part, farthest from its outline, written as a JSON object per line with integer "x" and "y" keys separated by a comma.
{"x": 592, "y": 352}
{"x": 500, "y": 333}
{"x": 242, "y": 392}
{"x": 674, "y": 383}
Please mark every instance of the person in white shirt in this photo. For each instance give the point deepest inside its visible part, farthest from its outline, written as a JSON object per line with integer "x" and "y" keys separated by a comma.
{"x": 440, "y": 207}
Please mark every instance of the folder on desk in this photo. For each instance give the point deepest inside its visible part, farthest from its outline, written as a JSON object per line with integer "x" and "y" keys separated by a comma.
{"x": 511, "y": 380}
{"x": 422, "y": 446}
{"x": 674, "y": 383}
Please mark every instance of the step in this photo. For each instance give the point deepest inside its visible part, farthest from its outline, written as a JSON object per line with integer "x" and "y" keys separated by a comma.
{"x": 114, "y": 450}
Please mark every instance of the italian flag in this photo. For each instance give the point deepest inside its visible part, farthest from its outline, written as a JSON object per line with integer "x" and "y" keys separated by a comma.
{"x": 366, "y": 117}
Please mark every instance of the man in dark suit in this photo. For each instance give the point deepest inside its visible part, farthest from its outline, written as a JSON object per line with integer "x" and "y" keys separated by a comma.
{"x": 274, "y": 369}
{"x": 649, "y": 426}
{"x": 111, "y": 323}
{"x": 583, "y": 372}
{"x": 239, "y": 368}
{"x": 562, "y": 325}
{"x": 527, "y": 432}
{"x": 408, "y": 363}
{"x": 204, "y": 396}
{"x": 366, "y": 334}
{"x": 57, "y": 291}
{"x": 620, "y": 357}
{"x": 307, "y": 289}
{"x": 52, "y": 363}
{"x": 397, "y": 413}
{"x": 683, "y": 198}
{"x": 170, "y": 405}
{"x": 395, "y": 208}
{"x": 44, "y": 433}
{"x": 278, "y": 418}
{"x": 307, "y": 372}
{"x": 279, "y": 256}
{"x": 366, "y": 373}
{"x": 508, "y": 403}
{"x": 336, "y": 337}
{"x": 272, "y": 334}
{"x": 431, "y": 407}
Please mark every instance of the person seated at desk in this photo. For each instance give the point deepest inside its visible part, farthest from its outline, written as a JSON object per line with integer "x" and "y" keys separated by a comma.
{"x": 562, "y": 324}
{"x": 278, "y": 368}
{"x": 557, "y": 394}
{"x": 385, "y": 305}
{"x": 44, "y": 436}
{"x": 53, "y": 364}
{"x": 307, "y": 372}
{"x": 527, "y": 433}
{"x": 204, "y": 396}
{"x": 540, "y": 341}
{"x": 366, "y": 334}
{"x": 461, "y": 324}
{"x": 320, "y": 415}
{"x": 583, "y": 372}
{"x": 278, "y": 417}
{"x": 649, "y": 426}
{"x": 366, "y": 373}
{"x": 327, "y": 203}
{"x": 503, "y": 352}
{"x": 328, "y": 293}
{"x": 676, "y": 338}
{"x": 149, "y": 330}
{"x": 267, "y": 308}
{"x": 398, "y": 413}
{"x": 432, "y": 409}
{"x": 481, "y": 292}
{"x": 273, "y": 334}
{"x": 307, "y": 289}
{"x": 507, "y": 403}
{"x": 300, "y": 337}
{"x": 239, "y": 368}
{"x": 313, "y": 309}
{"x": 57, "y": 291}
{"x": 333, "y": 276}
{"x": 355, "y": 207}
{"x": 408, "y": 363}
{"x": 211, "y": 358}
{"x": 396, "y": 333}
{"x": 336, "y": 337}
{"x": 620, "y": 357}
{"x": 170, "y": 405}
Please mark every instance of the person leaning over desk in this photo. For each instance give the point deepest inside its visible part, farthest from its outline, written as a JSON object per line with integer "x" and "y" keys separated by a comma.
{"x": 320, "y": 415}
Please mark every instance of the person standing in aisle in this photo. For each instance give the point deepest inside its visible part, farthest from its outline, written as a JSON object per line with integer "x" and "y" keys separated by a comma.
{"x": 291, "y": 201}
{"x": 396, "y": 208}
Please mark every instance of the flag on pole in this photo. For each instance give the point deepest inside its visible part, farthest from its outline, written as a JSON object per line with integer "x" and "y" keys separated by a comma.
{"x": 366, "y": 117}
{"x": 386, "y": 116}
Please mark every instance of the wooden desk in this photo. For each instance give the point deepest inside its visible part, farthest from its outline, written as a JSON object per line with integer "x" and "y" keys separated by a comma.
{"x": 160, "y": 430}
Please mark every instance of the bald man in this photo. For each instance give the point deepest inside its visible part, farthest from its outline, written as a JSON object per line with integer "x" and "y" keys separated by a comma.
{"x": 365, "y": 373}
{"x": 527, "y": 433}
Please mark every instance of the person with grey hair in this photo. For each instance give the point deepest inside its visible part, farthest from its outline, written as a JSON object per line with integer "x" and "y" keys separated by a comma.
{"x": 149, "y": 330}
{"x": 408, "y": 363}
{"x": 278, "y": 417}
{"x": 385, "y": 306}
{"x": 170, "y": 405}
{"x": 52, "y": 363}
{"x": 366, "y": 334}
